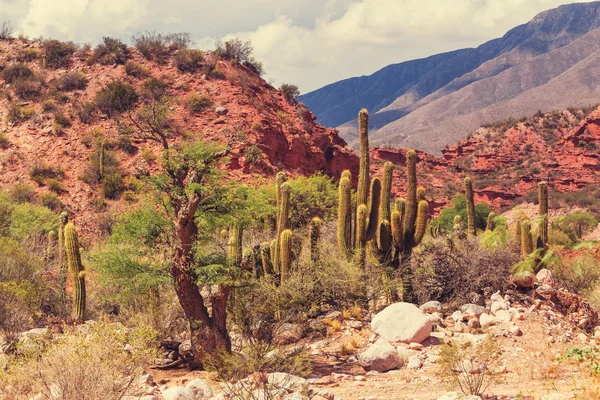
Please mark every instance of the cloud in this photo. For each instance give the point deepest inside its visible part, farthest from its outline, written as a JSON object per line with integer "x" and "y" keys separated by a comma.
{"x": 307, "y": 42}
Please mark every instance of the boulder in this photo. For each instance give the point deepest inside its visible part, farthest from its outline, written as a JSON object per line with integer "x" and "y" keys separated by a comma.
{"x": 545, "y": 277}
{"x": 498, "y": 305}
{"x": 524, "y": 279}
{"x": 380, "y": 357}
{"x": 487, "y": 320}
{"x": 473, "y": 309}
{"x": 503, "y": 316}
{"x": 289, "y": 333}
{"x": 185, "y": 348}
{"x": 178, "y": 393}
{"x": 292, "y": 383}
{"x": 431, "y": 307}
{"x": 414, "y": 363}
{"x": 402, "y": 322}
{"x": 200, "y": 389}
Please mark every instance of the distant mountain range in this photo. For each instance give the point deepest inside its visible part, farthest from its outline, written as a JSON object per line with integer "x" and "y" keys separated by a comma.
{"x": 551, "y": 62}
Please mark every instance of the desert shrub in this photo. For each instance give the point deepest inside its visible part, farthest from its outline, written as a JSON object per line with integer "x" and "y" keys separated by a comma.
{"x": 21, "y": 193}
{"x": 4, "y": 142}
{"x": 50, "y": 200}
{"x": 49, "y": 106}
{"x": 148, "y": 155}
{"x": 578, "y": 274}
{"x": 197, "y": 103}
{"x": 452, "y": 270}
{"x": 17, "y": 114}
{"x": 17, "y": 71}
{"x": 41, "y": 171}
{"x": 112, "y": 185}
{"x": 86, "y": 111}
{"x": 216, "y": 73}
{"x": 469, "y": 365}
{"x": 254, "y": 65}
{"x": 72, "y": 81}
{"x": 151, "y": 44}
{"x": 110, "y": 51}
{"x": 99, "y": 362}
{"x": 187, "y": 60}
{"x": 253, "y": 154}
{"x": 27, "y": 55}
{"x": 27, "y": 89}
{"x": 21, "y": 221}
{"x": 6, "y": 30}
{"x": 117, "y": 97}
{"x": 59, "y": 53}
{"x": 178, "y": 40}
{"x": 575, "y": 225}
{"x": 111, "y": 179}
{"x": 61, "y": 119}
{"x": 17, "y": 307}
{"x": 55, "y": 185}
{"x": 154, "y": 89}
{"x": 235, "y": 49}
{"x": 136, "y": 70}
{"x": 290, "y": 92}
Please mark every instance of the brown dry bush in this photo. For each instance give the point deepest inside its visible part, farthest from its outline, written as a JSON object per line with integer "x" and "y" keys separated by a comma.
{"x": 72, "y": 81}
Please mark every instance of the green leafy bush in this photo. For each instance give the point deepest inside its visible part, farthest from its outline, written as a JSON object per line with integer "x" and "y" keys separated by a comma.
{"x": 197, "y": 103}
{"x": 50, "y": 200}
{"x": 290, "y": 92}
{"x": 575, "y": 225}
{"x": 188, "y": 60}
{"x": 42, "y": 171}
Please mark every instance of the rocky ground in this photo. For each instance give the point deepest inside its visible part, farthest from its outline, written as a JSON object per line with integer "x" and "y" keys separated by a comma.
{"x": 397, "y": 353}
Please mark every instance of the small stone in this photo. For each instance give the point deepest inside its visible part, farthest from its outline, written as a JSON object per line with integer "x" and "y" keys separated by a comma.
{"x": 545, "y": 277}
{"x": 460, "y": 327}
{"x": 473, "y": 323}
{"x": 457, "y": 316}
{"x": 582, "y": 338}
{"x": 555, "y": 396}
{"x": 415, "y": 346}
{"x": 503, "y": 316}
{"x": 414, "y": 363}
{"x": 359, "y": 378}
{"x": 221, "y": 110}
{"x": 515, "y": 331}
{"x": 200, "y": 389}
{"x": 178, "y": 393}
{"x": 487, "y": 320}
{"x": 473, "y": 309}
{"x": 431, "y": 307}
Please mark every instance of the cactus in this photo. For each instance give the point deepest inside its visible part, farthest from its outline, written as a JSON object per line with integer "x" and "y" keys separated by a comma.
{"x": 315, "y": 237}
{"x": 420, "y": 193}
{"x": 50, "y": 249}
{"x": 384, "y": 238}
{"x": 62, "y": 258}
{"x": 526, "y": 239}
{"x": 273, "y": 253}
{"x": 363, "y": 175}
{"x": 374, "y": 201}
{"x": 283, "y": 221}
{"x": 361, "y": 234}
{"x": 265, "y": 258}
{"x": 101, "y": 160}
{"x": 471, "y": 229}
{"x": 457, "y": 224}
{"x": 44, "y": 60}
{"x": 490, "y": 221}
{"x": 410, "y": 217}
{"x": 344, "y": 222}
{"x": 346, "y": 174}
{"x": 421, "y": 224}
{"x": 397, "y": 231}
{"x": 234, "y": 247}
{"x": 285, "y": 254}
{"x": 543, "y": 211}
{"x": 77, "y": 271}
{"x": 386, "y": 192}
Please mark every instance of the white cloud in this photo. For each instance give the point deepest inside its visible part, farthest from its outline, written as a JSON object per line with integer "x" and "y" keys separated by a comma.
{"x": 307, "y": 42}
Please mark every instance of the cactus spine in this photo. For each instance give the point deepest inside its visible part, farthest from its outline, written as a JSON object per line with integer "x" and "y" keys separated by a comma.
{"x": 344, "y": 222}
{"x": 315, "y": 238}
{"x": 471, "y": 229}
{"x": 234, "y": 248}
{"x": 543, "y": 200}
{"x": 526, "y": 239}
{"x": 490, "y": 221}
{"x": 285, "y": 254}
{"x": 77, "y": 271}
{"x": 363, "y": 175}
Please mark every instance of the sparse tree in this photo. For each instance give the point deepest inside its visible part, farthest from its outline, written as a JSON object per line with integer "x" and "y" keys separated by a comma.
{"x": 6, "y": 30}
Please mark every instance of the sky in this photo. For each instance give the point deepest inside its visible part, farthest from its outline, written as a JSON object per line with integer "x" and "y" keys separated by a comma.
{"x": 310, "y": 43}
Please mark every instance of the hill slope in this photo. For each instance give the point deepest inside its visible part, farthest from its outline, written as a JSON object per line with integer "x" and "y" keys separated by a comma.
{"x": 475, "y": 86}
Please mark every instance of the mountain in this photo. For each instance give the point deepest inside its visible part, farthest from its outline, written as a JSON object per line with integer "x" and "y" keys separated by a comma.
{"x": 548, "y": 63}
{"x": 50, "y": 130}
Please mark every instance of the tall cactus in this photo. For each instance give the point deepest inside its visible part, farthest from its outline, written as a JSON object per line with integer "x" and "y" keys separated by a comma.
{"x": 363, "y": 175}
{"x": 77, "y": 271}
{"x": 471, "y": 228}
{"x": 285, "y": 254}
{"x": 543, "y": 211}
{"x": 374, "y": 201}
{"x": 421, "y": 224}
{"x": 315, "y": 238}
{"x": 344, "y": 222}
{"x": 51, "y": 248}
{"x": 234, "y": 247}
{"x": 283, "y": 221}
{"x": 386, "y": 192}
{"x": 361, "y": 234}
{"x": 526, "y": 239}
{"x": 490, "y": 221}
{"x": 397, "y": 231}
{"x": 410, "y": 217}
{"x": 420, "y": 193}
{"x": 101, "y": 160}
{"x": 62, "y": 258}
{"x": 457, "y": 224}
{"x": 265, "y": 258}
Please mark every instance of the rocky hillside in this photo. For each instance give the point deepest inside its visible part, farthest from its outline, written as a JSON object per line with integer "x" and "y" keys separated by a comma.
{"x": 548, "y": 63}
{"x": 50, "y": 128}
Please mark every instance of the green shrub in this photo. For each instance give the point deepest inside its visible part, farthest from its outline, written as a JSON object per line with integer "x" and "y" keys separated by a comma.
{"x": 112, "y": 185}
{"x": 28, "y": 55}
{"x": 197, "y": 103}
{"x": 72, "y": 81}
{"x": 17, "y": 114}
{"x": 115, "y": 98}
{"x": 459, "y": 207}
{"x": 22, "y": 193}
{"x": 154, "y": 89}
{"x": 15, "y": 72}
{"x": 86, "y": 111}
{"x": 4, "y": 142}
{"x": 41, "y": 171}
{"x": 253, "y": 154}
{"x": 59, "y": 53}
{"x": 187, "y": 60}
{"x": 152, "y": 45}
{"x": 148, "y": 155}
{"x": 27, "y": 89}
{"x": 579, "y": 274}
{"x": 575, "y": 225}
{"x": 49, "y": 106}
{"x": 216, "y": 73}
{"x": 136, "y": 70}
{"x": 110, "y": 51}
{"x": 50, "y": 200}
{"x": 55, "y": 185}
{"x": 235, "y": 49}
{"x": 290, "y": 92}
{"x": 61, "y": 119}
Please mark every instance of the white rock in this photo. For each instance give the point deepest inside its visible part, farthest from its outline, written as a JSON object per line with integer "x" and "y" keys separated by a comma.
{"x": 402, "y": 322}
{"x": 149, "y": 397}
{"x": 503, "y": 316}
{"x": 460, "y": 327}
{"x": 415, "y": 346}
{"x": 178, "y": 393}
{"x": 457, "y": 316}
{"x": 473, "y": 323}
{"x": 380, "y": 357}
{"x": 450, "y": 396}
{"x": 545, "y": 277}
{"x": 473, "y": 309}
{"x": 295, "y": 396}
{"x": 431, "y": 306}
{"x": 496, "y": 297}
{"x": 498, "y": 305}
{"x": 516, "y": 331}
{"x": 487, "y": 320}
{"x": 414, "y": 363}
{"x": 282, "y": 380}
{"x": 200, "y": 389}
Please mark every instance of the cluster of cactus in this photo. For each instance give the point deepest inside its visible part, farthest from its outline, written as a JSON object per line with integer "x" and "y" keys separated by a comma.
{"x": 391, "y": 235}
{"x": 524, "y": 235}
{"x": 73, "y": 256}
